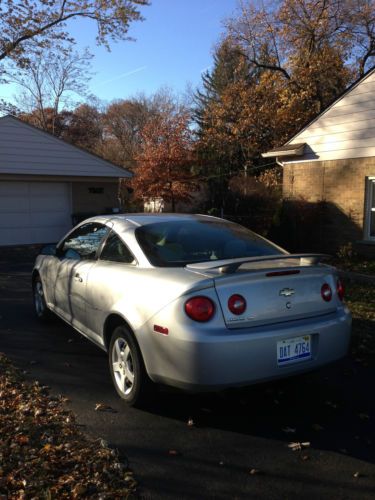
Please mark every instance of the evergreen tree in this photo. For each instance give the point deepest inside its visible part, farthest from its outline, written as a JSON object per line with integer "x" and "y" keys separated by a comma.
{"x": 229, "y": 67}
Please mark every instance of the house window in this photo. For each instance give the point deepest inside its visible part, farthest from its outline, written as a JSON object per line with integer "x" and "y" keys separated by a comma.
{"x": 370, "y": 209}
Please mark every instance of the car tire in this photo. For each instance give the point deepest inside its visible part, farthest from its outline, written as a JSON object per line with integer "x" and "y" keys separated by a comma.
{"x": 127, "y": 368}
{"x": 40, "y": 307}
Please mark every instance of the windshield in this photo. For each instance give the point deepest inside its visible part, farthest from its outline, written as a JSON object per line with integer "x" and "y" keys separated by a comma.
{"x": 177, "y": 243}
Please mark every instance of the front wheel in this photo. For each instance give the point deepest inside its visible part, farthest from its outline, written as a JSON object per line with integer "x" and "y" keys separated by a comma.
{"x": 127, "y": 368}
{"x": 40, "y": 307}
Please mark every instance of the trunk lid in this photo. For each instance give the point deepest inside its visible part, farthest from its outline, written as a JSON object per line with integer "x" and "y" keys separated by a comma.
{"x": 275, "y": 290}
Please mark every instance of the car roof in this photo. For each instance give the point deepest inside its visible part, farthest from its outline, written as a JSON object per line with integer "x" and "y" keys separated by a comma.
{"x": 142, "y": 219}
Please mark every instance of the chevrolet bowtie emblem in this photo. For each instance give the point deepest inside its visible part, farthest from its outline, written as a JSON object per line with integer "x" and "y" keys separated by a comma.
{"x": 287, "y": 292}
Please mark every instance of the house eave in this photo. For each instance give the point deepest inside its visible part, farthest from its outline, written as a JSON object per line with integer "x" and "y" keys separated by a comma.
{"x": 293, "y": 150}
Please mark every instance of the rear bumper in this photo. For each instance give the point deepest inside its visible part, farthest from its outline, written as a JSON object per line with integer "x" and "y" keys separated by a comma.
{"x": 228, "y": 358}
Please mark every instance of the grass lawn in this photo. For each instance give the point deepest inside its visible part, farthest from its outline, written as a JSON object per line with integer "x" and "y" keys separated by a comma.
{"x": 357, "y": 265}
{"x": 361, "y": 301}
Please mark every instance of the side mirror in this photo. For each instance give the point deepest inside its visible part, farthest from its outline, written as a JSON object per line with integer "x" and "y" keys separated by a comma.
{"x": 72, "y": 254}
{"x": 48, "y": 250}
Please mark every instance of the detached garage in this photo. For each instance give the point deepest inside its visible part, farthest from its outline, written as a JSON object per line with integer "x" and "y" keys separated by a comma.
{"x": 46, "y": 182}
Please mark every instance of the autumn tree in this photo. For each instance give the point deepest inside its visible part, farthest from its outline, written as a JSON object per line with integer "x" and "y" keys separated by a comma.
{"x": 164, "y": 166}
{"x": 294, "y": 58}
{"x": 26, "y": 27}
{"x": 124, "y": 120}
{"x": 58, "y": 123}
{"x": 84, "y": 127}
{"x": 308, "y": 43}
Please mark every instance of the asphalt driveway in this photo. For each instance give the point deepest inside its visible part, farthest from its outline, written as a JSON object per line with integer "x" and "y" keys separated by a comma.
{"x": 232, "y": 434}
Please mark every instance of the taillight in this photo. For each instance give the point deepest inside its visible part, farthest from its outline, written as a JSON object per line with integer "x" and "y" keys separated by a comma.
{"x": 340, "y": 289}
{"x": 200, "y": 308}
{"x": 237, "y": 304}
{"x": 326, "y": 292}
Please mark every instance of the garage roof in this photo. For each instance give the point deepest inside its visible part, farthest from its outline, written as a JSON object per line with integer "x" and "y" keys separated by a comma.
{"x": 27, "y": 150}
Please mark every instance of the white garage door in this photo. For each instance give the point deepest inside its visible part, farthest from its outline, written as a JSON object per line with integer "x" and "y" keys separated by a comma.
{"x": 34, "y": 212}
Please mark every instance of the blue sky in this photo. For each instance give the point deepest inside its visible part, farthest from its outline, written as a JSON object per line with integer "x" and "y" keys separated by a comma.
{"x": 173, "y": 46}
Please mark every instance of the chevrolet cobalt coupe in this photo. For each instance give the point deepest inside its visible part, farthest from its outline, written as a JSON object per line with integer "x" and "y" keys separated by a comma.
{"x": 192, "y": 301}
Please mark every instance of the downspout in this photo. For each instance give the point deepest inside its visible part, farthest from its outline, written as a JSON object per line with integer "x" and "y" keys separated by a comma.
{"x": 280, "y": 163}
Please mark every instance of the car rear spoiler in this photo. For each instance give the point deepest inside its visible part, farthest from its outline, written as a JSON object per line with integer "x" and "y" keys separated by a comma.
{"x": 229, "y": 266}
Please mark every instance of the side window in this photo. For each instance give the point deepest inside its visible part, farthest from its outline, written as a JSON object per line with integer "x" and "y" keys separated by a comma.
{"x": 85, "y": 240}
{"x": 116, "y": 251}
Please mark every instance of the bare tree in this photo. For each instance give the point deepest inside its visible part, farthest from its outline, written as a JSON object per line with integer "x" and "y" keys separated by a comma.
{"x": 26, "y": 26}
{"x": 52, "y": 81}
{"x": 274, "y": 35}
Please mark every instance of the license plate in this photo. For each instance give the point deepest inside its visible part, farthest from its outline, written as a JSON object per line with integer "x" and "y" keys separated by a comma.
{"x": 294, "y": 350}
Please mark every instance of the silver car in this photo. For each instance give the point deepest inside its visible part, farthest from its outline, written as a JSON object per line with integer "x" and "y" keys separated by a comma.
{"x": 192, "y": 301}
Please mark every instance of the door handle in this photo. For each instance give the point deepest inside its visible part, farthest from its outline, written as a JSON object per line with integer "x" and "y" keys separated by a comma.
{"x": 77, "y": 277}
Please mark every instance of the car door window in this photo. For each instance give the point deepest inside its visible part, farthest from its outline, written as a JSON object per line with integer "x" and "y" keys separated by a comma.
{"x": 115, "y": 250}
{"x": 85, "y": 240}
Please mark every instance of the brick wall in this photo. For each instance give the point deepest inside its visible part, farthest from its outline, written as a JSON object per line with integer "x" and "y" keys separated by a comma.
{"x": 338, "y": 183}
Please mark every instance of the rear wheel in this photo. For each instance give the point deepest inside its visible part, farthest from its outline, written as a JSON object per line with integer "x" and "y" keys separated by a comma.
{"x": 127, "y": 368}
{"x": 40, "y": 307}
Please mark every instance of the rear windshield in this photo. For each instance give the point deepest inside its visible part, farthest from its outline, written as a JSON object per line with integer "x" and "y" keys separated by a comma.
{"x": 177, "y": 243}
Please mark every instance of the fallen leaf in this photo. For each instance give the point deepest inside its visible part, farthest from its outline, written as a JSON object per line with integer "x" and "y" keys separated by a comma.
{"x": 305, "y": 457}
{"x": 253, "y": 472}
{"x": 364, "y": 416}
{"x": 317, "y": 427}
{"x": 289, "y": 430}
{"x": 173, "y": 453}
{"x": 104, "y": 407}
{"x": 297, "y": 446}
{"x": 22, "y": 439}
{"x": 332, "y": 405}
{"x": 79, "y": 489}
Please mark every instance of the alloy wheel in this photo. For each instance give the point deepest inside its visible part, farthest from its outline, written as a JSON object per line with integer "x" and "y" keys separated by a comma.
{"x": 122, "y": 366}
{"x": 39, "y": 298}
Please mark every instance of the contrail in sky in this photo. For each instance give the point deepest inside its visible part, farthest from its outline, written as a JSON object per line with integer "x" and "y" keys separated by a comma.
{"x": 123, "y": 75}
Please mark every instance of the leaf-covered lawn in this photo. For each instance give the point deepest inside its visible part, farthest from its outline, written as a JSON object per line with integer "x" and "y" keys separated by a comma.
{"x": 355, "y": 264}
{"x": 360, "y": 299}
{"x": 43, "y": 454}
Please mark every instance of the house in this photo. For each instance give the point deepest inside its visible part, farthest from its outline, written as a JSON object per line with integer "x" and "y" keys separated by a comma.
{"x": 47, "y": 184}
{"x": 331, "y": 162}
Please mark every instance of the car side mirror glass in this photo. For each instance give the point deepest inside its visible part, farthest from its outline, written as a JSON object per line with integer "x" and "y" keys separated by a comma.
{"x": 48, "y": 250}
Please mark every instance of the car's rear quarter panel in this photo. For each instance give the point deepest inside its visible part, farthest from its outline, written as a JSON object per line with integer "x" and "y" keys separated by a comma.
{"x": 134, "y": 293}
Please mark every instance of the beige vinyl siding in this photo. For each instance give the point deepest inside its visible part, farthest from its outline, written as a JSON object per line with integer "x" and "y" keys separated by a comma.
{"x": 30, "y": 151}
{"x": 345, "y": 130}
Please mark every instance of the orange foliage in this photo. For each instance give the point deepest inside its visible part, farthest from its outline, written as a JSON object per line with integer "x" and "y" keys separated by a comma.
{"x": 164, "y": 166}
